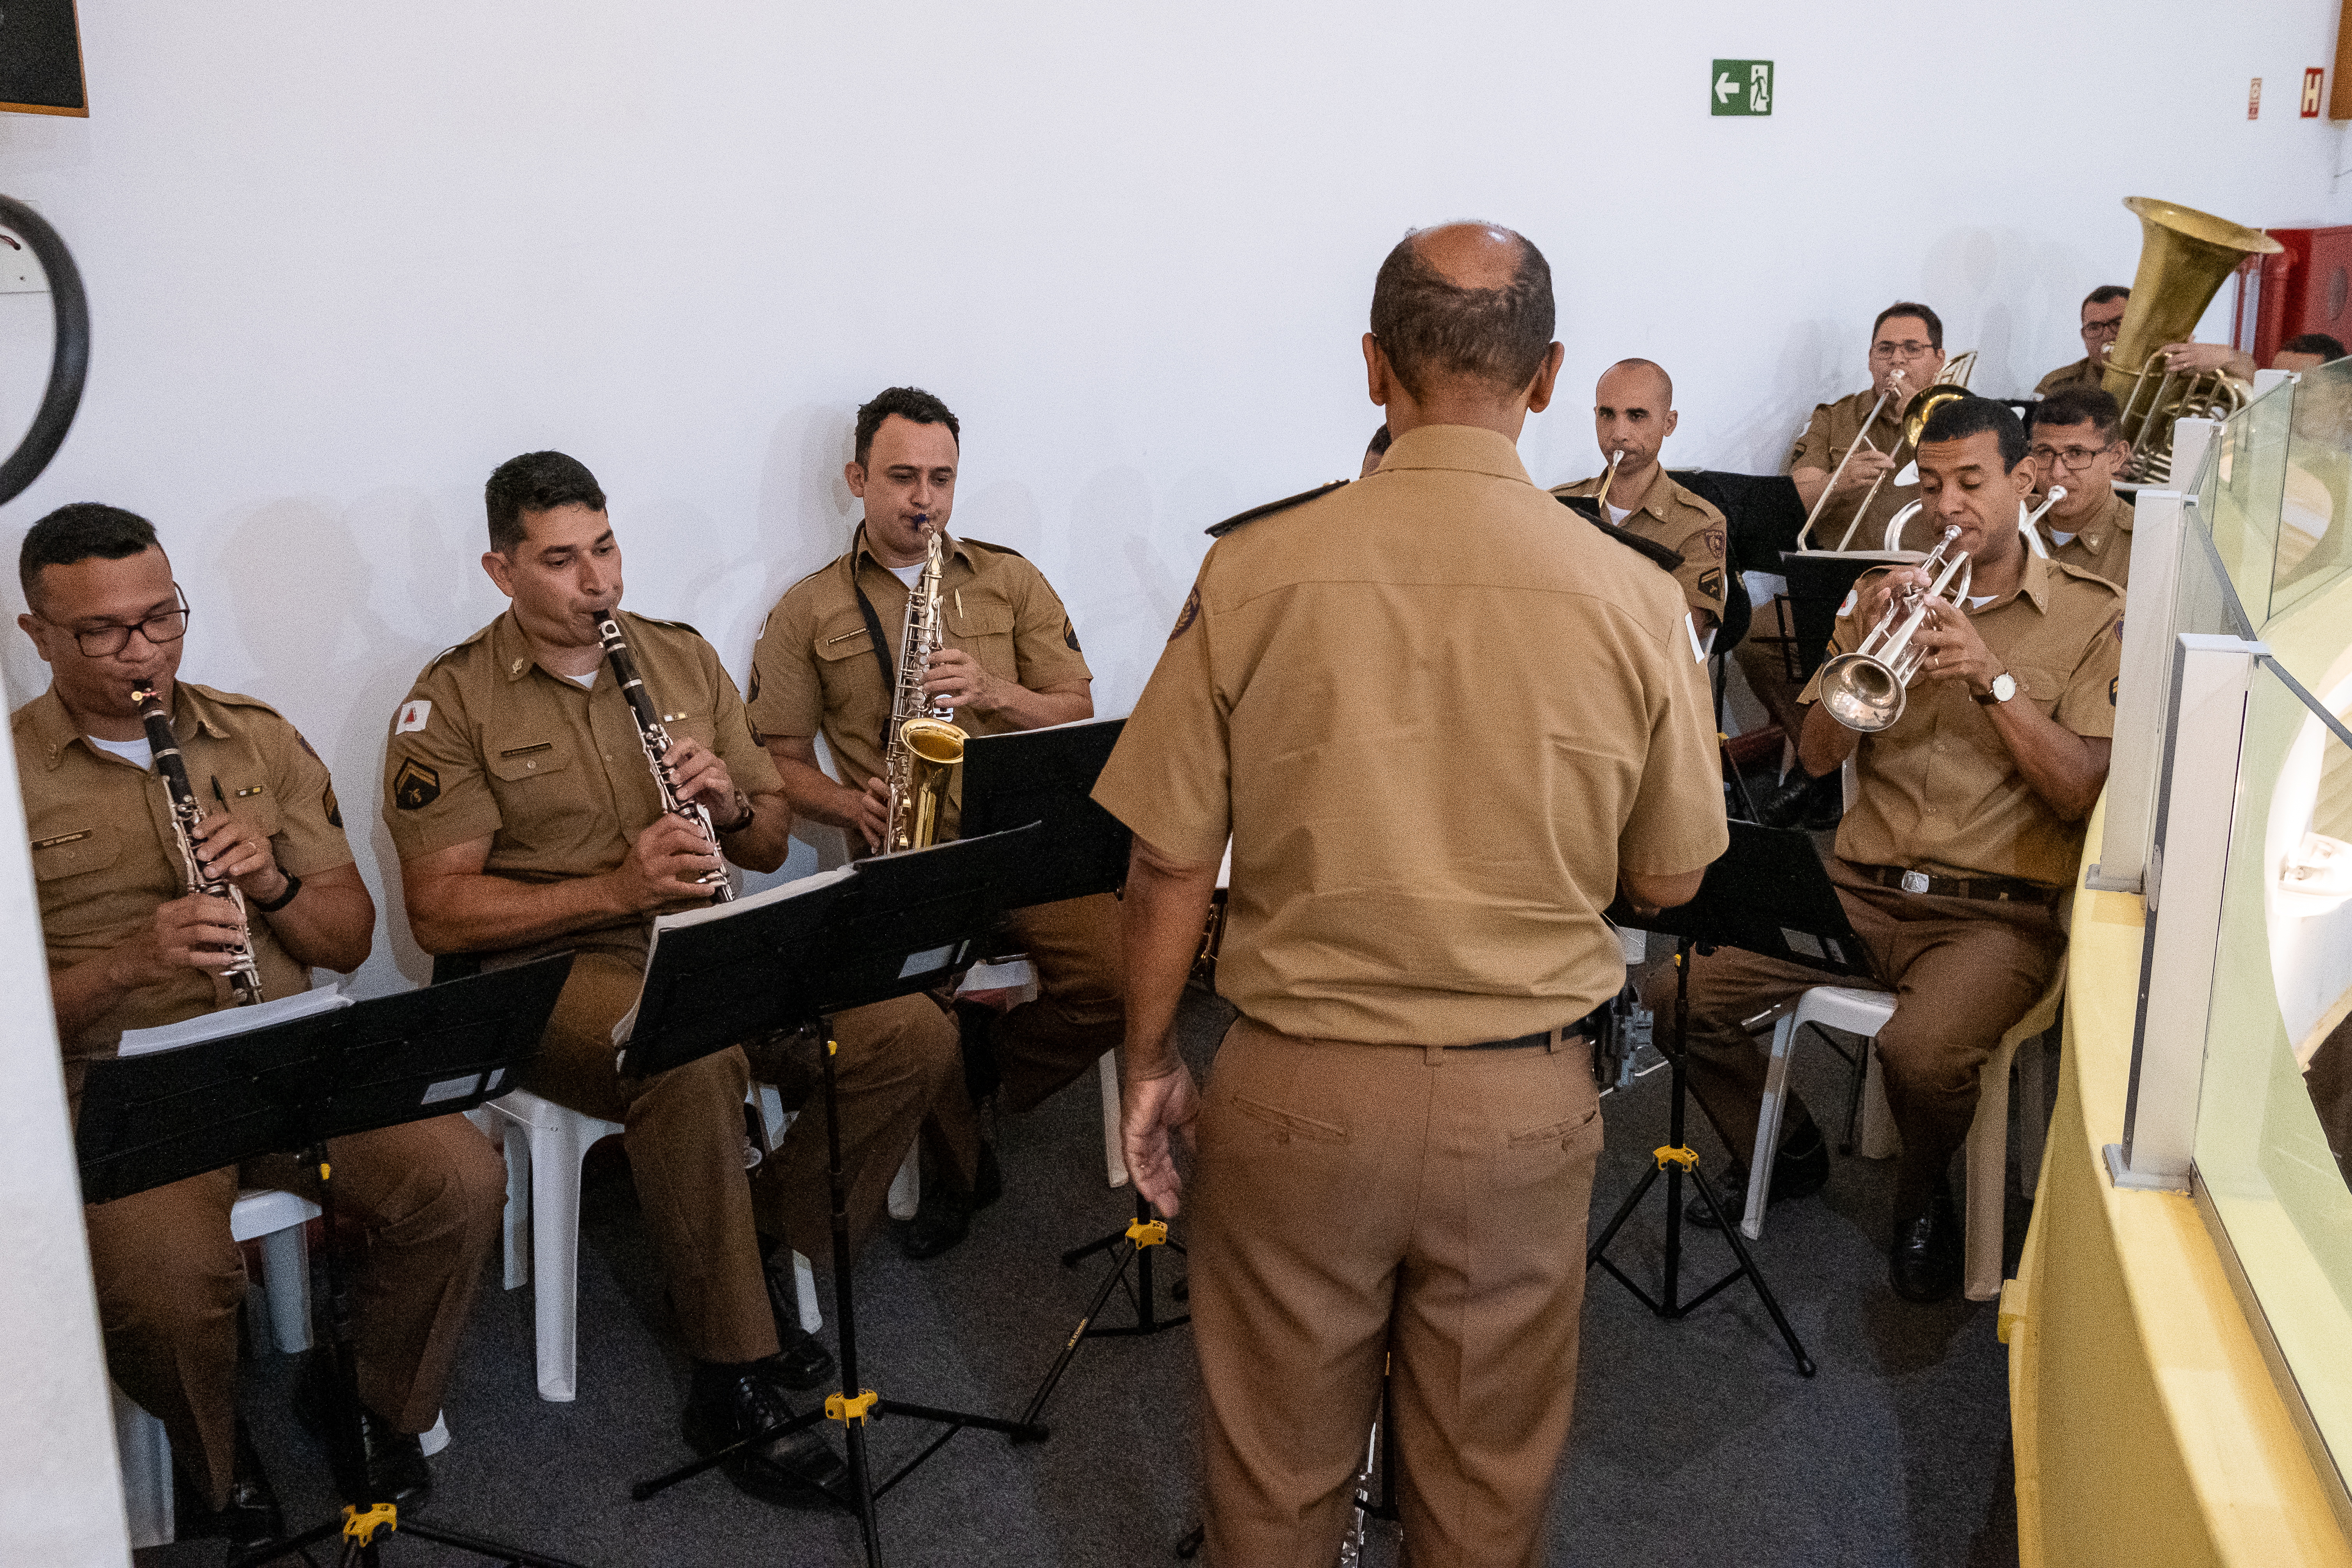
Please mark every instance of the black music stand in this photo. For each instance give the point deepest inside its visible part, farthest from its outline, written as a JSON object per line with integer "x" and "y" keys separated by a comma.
{"x": 1047, "y": 776}
{"x": 150, "y": 1119}
{"x": 887, "y": 927}
{"x": 1767, "y": 894}
{"x": 1818, "y": 580}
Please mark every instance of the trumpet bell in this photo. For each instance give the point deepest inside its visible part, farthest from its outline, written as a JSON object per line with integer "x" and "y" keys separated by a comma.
{"x": 1862, "y": 693}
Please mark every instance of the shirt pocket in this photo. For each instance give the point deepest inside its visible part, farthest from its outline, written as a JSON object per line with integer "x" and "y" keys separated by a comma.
{"x": 518, "y": 770}
{"x": 2042, "y": 686}
{"x": 844, "y": 637}
{"x": 74, "y": 852}
{"x": 983, "y": 627}
{"x": 251, "y": 804}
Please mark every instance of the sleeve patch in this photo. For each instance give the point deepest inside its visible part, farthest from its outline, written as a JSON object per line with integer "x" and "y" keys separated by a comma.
{"x": 1188, "y": 614}
{"x": 1070, "y": 634}
{"x": 415, "y": 787}
{"x": 334, "y": 811}
{"x": 1852, "y": 597}
{"x": 413, "y": 716}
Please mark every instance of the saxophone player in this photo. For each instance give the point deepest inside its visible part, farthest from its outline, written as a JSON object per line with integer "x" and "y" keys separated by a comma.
{"x": 825, "y": 664}
{"x": 517, "y": 791}
{"x": 129, "y": 947}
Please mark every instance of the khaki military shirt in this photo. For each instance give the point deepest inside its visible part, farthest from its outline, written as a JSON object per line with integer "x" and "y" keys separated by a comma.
{"x": 813, "y": 669}
{"x": 1825, "y": 439}
{"x": 105, "y": 855}
{"x": 1674, "y": 517}
{"x": 490, "y": 744}
{"x": 1436, "y": 725}
{"x": 2103, "y": 548}
{"x": 2082, "y": 372}
{"x": 1939, "y": 791}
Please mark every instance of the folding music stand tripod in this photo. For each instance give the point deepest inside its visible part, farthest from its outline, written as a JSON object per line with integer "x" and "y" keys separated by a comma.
{"x": 887, "y": 926}
{"x": 147, "y": 1121}
{"x": 1759, "y": 897}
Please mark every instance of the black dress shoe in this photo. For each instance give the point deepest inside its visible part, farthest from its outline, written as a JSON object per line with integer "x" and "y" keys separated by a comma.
{"x": 801, "y": 1363}
{"x": 1797, "y": 1173}
{"x": 251, "y": 1516}
{"x": 1924, "y": 1265}
{"x": 943, "y": 1218}
{"x": 1802, "y": 801}
{"x": 397, "y": 1471}
{"x": 729, "y": 1404}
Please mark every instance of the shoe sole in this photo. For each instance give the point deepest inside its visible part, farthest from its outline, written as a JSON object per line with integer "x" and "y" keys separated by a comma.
{"x": 794, "y": 1492}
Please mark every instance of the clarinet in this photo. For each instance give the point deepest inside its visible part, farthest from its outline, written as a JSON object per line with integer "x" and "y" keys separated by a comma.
{"x": 656, "y": 743}
{"x": 244, "y": 977}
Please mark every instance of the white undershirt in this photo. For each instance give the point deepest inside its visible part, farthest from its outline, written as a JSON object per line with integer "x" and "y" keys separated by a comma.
{"x": 1618, "y": 514}
{"x": 907, "y": 574}
{"x": 2061, "y": 539}
{"x": 587, "y": 681}
{"x": 138, "y": 753}
{"x": 1978, "y": 602}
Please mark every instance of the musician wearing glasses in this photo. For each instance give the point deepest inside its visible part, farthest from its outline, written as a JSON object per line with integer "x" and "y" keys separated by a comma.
{"x": 1965, "y": 833}
{"x": 528, "y": 820}
{"x": 1907, "y": 354}
{"x": 2103, "y": 317}
{"x": 132, "y": 946}
{"x": 827, "y": 663}
{"x": 2077, "y": 448}
{"x": 1633, "y": 415}
{"x": 1397, "y": 1145}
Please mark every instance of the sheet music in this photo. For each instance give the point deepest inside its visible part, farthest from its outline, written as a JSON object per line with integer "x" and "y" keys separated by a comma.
{"x": 229, "y": 1021}
{"x": 799, "y": 886}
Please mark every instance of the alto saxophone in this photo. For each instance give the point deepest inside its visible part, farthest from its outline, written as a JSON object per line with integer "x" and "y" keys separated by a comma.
{"x": 244, "y": 977}
{"x": 656, "y": 743}
{"x": 925, "y": 747}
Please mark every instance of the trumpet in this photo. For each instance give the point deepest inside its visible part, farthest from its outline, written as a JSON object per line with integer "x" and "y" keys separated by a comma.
{"x": 1865, "y": 689}
{"x": 1601, "y": 496}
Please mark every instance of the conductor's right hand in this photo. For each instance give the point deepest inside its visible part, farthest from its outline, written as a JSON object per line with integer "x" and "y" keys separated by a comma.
{"x": 191, "y": 932}
{"x": 665, "y": 864}
{"x": 1862, "y": 471}
{"x": 1150, "y": 1111}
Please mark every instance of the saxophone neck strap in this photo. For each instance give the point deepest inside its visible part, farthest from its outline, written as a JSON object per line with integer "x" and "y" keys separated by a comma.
{"x": 881, "y": 654}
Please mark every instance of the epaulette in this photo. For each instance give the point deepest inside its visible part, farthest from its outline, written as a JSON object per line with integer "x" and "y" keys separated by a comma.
{"x": 1270, "y": 508}
{"x": 2085, "y": 574}
{"x": 965, "y": 539}
{"x": 232, "y": 698}
{"x": 1671, "y": 559}
{"x": 454, "y": 647}
{"x": 676, "y": 626}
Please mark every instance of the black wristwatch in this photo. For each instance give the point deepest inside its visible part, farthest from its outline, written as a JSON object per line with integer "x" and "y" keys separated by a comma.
{"x": 293, "y": 886}
{"x": 751, "y": 815}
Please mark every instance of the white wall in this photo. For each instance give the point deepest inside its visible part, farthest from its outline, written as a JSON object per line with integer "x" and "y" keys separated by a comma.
{"x": 344, "y": 260}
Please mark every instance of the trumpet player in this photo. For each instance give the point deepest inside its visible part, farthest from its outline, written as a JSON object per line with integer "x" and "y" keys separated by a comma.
{"x": 1633, "y": 415}
{"x": 1965, "y": 831}
{"x": 1907, "y": 354}
{"x": 528, "y": 821}
{"x": 2076, "y": 449}
{"x": 827, "y": 663}
{"x": 131, "y": 947}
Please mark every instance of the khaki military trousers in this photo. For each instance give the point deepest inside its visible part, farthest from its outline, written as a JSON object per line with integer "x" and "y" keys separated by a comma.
{"x": 1962, "y": 970}
{"x": 1079, "y": 1011}
{"x": 170, "y": 1280}
{"x": 1358, "y": 1201}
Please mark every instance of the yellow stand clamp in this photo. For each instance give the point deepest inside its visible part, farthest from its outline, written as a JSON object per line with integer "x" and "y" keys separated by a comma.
{"x": 845, "y": 1409}
{"x": 361, "y": 1524}
{"x": 1670, "y": 1156}
{"x": 1148, "y": 1232}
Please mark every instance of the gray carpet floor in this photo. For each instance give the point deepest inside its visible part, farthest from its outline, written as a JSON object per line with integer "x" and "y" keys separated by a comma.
{"x": 1696, "y": 1442}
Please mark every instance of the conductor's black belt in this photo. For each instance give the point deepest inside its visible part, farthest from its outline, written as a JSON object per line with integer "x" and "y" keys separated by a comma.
{"x": 1992, "y": 890}
{"x": 1541, "y": 1038}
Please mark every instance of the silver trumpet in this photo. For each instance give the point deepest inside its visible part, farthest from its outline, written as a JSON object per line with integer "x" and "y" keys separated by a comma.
{"x": 1865, "y": 689}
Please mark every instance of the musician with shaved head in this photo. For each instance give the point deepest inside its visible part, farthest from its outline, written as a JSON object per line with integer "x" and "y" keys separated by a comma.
{"x": 1633, "y": 415}
{"x": 1396, "y": 1150}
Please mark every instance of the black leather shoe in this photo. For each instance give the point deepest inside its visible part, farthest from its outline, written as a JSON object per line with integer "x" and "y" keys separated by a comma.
{"x": 1823, "y": 806}
{"x": 1924, "y": 1265}
{"x": 944, "y": 1216}
{"x": 250, "y": 1518}
{"x": 802, "y": 1362}
{"x": 1796, "y": 1173}
{"x": 397, "y": 1471}
{"x": 732, "y": 1403}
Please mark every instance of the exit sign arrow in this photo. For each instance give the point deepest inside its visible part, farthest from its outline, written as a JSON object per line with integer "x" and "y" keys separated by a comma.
{"x": 1740, "y": 88}
{"x": 1726, "y": 89}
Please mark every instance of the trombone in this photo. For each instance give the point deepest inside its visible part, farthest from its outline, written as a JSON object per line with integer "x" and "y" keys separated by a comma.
{"x": 1865, "y": 689}
{"x": 1954, "y": 375}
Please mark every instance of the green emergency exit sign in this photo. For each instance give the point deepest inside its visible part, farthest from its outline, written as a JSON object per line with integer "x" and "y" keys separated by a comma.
{"x": 1740, "y": 87}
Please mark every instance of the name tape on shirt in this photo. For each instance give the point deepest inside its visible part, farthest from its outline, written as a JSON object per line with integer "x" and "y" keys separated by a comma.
{"x": 413, "y": 716}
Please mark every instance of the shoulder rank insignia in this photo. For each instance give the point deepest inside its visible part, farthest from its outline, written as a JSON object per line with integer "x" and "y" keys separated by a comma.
{"x": 1270, "y": 508}
{"x": 1589, "y": 509}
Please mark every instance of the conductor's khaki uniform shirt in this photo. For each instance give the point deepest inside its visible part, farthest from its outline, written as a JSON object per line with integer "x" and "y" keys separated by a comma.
{"x": 105, "y": 855}
{"x": 814, "y": 671}
{"x": 1685, "y": 523}
{"x": 1436, "y": 725}
{"x": 1939, "y": 791}
{"x": 1826, "y": 438}
{"x": 490, "y": 744}
{"x": 2103, "y": 548}
{"x": 2082, "y": 372}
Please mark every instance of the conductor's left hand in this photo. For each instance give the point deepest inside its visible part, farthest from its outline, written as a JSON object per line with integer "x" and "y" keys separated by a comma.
{"x": 1150, "y": 1110}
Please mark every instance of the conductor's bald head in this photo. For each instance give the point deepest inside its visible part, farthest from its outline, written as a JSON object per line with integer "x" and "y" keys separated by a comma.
{"x": 1463, "y": 301}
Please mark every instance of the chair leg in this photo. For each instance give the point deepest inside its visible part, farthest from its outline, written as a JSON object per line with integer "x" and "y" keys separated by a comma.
{"x": 144, "y": 1449}
{"x": 906, "y": 1186}
{"x": 1768, "y": 1128}
{"x": 516, "y": 1223}
{"x": 555, "y": 1257}
{"x": 1114, "y": 1155}
{"x": 2033, "y": 1065}
{"x": 286, "y": 1279}
{"x": 804, "y": 1286}
{"x": 1988, "y": 1180}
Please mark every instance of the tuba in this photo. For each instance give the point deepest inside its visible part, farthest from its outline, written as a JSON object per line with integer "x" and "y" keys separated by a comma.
{"x": 1863, "y": 690}
{"x": 244, "y": 976}
{"x": 2184, "y": 256}
{"x": 925, "y": 747}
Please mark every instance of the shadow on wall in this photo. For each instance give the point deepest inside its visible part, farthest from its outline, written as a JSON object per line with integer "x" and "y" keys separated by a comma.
{"x": 806, "y": 515}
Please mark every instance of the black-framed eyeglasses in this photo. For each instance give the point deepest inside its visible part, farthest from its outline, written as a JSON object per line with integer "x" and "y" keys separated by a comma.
{"x": 2072, "y": 458}
{"x": 2103, "y": 328}
{"x": 106, "y": 641}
